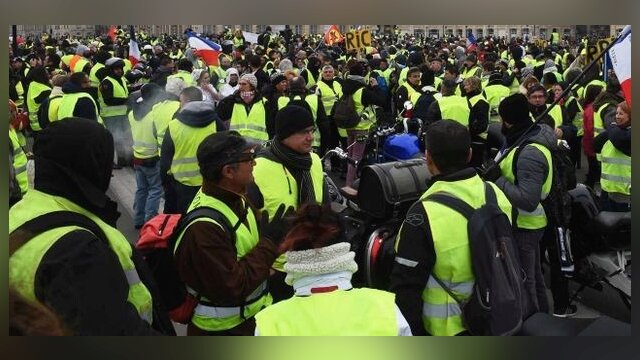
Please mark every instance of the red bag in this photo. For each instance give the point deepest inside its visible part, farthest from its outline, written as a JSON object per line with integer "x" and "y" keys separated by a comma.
{"x": 156, "y": 232}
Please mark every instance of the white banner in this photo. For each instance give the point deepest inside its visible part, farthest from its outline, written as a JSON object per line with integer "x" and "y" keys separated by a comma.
{"x": 250, "y": 37}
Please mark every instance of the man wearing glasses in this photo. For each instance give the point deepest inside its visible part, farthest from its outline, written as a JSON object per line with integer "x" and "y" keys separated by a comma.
{"x": 288, "y": 173}
{"x": 227, "y": 265}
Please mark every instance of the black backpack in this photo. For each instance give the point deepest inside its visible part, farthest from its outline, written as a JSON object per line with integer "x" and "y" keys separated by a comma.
{"x": 498, "y": 303}
{"x": 344, "y": 112}
{"x": 158, "y": 252}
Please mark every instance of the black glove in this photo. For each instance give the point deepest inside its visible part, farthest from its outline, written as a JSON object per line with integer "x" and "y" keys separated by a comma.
{"x": 277, "y": 228}
{"x": 490, "y": 171}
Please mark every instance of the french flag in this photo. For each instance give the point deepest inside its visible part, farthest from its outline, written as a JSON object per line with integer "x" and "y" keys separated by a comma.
{"x": 205, "y": 48}
{"x": 620, "y": 56}
{"x": 134, "y": 50}
{"x": 472, "y": 44}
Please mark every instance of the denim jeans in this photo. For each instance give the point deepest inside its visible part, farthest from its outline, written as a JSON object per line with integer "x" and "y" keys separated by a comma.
{"x": 148, "y": 193}
{"x": 529, "y": 250}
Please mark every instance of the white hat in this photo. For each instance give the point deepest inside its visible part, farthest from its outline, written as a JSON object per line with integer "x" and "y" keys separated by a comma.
{"x": 147, "y": 47}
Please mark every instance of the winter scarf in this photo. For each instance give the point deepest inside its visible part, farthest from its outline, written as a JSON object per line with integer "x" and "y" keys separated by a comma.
{"x": 300, "y": 166}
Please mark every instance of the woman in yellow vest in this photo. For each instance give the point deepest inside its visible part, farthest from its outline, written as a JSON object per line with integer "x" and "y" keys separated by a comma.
{"x": 98, "y": 290}
{"x": 319, "y": 267}
{"x": 615, "y": 156}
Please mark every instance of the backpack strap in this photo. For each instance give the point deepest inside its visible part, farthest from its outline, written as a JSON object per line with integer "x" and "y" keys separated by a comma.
{"x": 211, "y": 213}
{"x": 465, "y": 210}
{"x": 50, "y": 221}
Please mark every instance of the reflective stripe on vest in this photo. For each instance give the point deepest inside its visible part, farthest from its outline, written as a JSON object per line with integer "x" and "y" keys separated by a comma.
{"x": 454, "y": 107}
{"x": 120, "y": 91}
{"x": 186, "y": 139}
{"x": 144, "y": 143}
{"x": 536, "y": 219}
{"x": 360, "y": 312}
{"x": 250, "y": 125}
{"x": 616, "y": 170}
{"x": 217, "y": 318}
{"x": 441, "y": 313}
{"x": 24, "y": 263}
{"x": 278, "y": 186}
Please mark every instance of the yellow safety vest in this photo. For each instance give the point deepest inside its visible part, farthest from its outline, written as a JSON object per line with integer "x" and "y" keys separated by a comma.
{"x": 185, "y": 76}
{"x": 363, "y": 312}
{"x": 35, "y": 89}
{"x": 252, "y": 125}
{"x": 144, "y": 141}
{"x": 616, "y": 170}
{"x": 598, "y": 120}
{"x": 329, "y": 95}
{"x": 93, "y": 77}
{"x": 186, "y": 139}
{"x": 120, "y": 91}
{"x": 278, "y": 186}
{"x": 218, "y": 318}
{"x": 495, "y": 94}
{"x": 19, "y": 161}
{"x": 163, "y": 113}
{"x": 365, "y": 124}
{"x": 68, "y": 105}
{"x": 536, "y": 219}
{"x": 24, "y": 263}
{"x": 454, "y": 107}
{"x": 441, "y": 314}
{"x": 578, "y": 120}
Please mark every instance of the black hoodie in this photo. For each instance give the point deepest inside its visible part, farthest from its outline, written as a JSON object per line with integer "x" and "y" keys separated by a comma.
{"x": 80, "y": 277}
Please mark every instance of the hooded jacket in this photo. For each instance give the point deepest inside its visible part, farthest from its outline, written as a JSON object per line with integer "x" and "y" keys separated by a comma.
{"x": 532, "y": 169}
{"x": 80, "y": 277}
{"x": 195, "y": 114}
{"x": 370, "y": 95}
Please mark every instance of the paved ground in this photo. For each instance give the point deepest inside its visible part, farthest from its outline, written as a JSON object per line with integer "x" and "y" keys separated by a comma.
{"x": 591, "y": 304}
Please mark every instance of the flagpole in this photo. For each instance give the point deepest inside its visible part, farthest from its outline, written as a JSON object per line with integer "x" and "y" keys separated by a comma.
{"x": 522, "y": 137}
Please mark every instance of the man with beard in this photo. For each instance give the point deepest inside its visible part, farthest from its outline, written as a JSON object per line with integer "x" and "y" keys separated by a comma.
{"x": 288, "y": 173}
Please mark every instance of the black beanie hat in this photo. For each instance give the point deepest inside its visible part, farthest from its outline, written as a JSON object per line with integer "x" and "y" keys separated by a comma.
{"x": 291, "y": 119}
{"x": 276, "y": 78}
{"x": 514, "y": 109}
